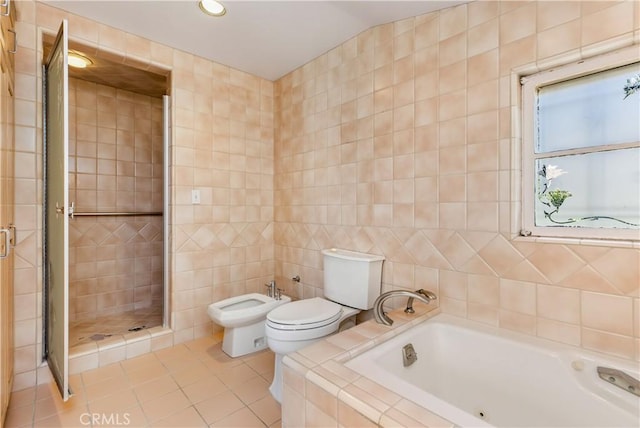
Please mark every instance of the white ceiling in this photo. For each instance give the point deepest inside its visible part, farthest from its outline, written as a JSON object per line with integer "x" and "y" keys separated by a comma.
{"x": 265, "y": 38}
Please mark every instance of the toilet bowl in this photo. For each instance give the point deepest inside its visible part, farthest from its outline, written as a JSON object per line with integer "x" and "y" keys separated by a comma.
{"x": 298, "y": 324}
{"x": 352, "y": 282}
{"x": 243, "y": 318}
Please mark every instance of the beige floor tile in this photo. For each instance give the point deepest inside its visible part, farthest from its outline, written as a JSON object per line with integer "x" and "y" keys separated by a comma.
{"x": 204, "y": 389}
{"x": 186, "y": 418}
{"x": 155, "y": 388}
{"x": 172, "y": 353}
{"x": 152, "y": 372}
{"x": 268, "y": 376}
{"x": 276, "y": 424}
{"x": 219, "y": 406}
{"x": 19, "y": 416}
{"x": 219, "y": 362}
{"x": 102, "y": 373}
{"x": 262, "y": 362}
{"x": 191, "y": 374}
{"x": 203, "y": 344}
{"x": 47, "y": 390}
{"x": 267, "y": 409}
{"x": 238, "y": 374}
{"x": 140, "y": 362}
{"x": 106, "y": 387}
{"x": 23, "y": 398}
{"x": 76, "y": 384}
{"x": 45, "y": 408}
{"x": 72, "y": 418}
{"x": 178, "y": 364}
{"x": 135, "y": 417}
{"x": 51, "y": 405}
{"x": 166, "y": 405}
{"x": 252, "y": 390}
{"x": 115, "y": 403}
{"x": 241, "y": 418}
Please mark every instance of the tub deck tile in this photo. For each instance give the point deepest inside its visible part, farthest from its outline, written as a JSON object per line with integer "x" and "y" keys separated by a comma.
{"x": 364, "y": 402}
{"x": 347, "y": 339}
{"x": 321, "y": 382}
{"x": 320, "y": 352}
{"x": 337, "y": 373}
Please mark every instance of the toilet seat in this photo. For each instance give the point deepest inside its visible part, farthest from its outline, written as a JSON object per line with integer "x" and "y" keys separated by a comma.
{"x": 304, "y": 314}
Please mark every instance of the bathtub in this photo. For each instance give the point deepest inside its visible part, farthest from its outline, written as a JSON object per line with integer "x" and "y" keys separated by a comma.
{"x": 474, "y": 375}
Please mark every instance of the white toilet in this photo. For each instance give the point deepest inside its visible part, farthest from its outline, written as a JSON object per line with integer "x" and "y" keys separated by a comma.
{"x": 352, "y": 283}
{"x": 243, "y": 319}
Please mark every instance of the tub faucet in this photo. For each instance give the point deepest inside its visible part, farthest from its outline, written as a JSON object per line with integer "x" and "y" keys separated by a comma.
{"x": 428, "y": 294}
{"x": 379, "y": 314}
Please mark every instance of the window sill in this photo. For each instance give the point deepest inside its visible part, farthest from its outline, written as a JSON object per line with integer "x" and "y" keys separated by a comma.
{"x": 622, "y": 243}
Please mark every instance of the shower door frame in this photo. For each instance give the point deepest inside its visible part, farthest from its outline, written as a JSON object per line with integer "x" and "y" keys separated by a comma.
{"x": 166, "y": 225}
{"x": 56, "y": 220}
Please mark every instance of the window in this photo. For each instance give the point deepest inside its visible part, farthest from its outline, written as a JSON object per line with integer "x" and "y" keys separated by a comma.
{"x": 581, "y": 153}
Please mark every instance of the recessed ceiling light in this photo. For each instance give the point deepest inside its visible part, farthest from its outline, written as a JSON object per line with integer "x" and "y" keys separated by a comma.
{"x": 78, "y": 61}
{"x": 212, "y": 7}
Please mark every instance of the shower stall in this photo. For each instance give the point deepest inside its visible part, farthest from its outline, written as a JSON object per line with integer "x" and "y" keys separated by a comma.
{"x": 106, "y": 131}
{"x": 116, "y": 229}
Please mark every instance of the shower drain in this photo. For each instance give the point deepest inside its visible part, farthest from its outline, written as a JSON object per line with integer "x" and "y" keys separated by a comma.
{"x": 142, "y": 327}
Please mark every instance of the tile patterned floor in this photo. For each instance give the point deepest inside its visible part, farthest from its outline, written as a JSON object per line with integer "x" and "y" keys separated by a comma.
{"x": 193, "y": 384}
{"x": 86, "y": 331}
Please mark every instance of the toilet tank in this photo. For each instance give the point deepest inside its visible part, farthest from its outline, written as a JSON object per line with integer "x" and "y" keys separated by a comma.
{"x": 351, "y": 278}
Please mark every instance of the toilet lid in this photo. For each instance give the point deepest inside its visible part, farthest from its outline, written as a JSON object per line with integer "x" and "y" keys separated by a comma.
{"x": 307, "y": 313}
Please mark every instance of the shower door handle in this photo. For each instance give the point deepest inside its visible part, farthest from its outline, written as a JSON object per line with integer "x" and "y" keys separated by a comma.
{"x": 13, "y": 234}
{"x": 4, "y": 243}
{"x": 8, "y": 240}
{"x": 7, "y": 4}
{"x": 60, "y": 210}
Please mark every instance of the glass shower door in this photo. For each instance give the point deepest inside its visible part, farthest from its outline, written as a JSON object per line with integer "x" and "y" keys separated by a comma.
{"x": 57, "y": 210}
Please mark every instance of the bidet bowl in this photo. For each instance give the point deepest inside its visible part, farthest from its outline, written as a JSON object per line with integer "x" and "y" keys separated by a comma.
{"x": 243, "y": 310}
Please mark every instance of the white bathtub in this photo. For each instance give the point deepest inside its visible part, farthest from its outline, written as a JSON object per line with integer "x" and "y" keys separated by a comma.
{"x": 474, "y": 375}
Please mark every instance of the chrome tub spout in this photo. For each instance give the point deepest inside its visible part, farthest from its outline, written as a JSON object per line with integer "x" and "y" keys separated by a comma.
{"x": 379, "y": 314}
{"x": 426, "y": 293}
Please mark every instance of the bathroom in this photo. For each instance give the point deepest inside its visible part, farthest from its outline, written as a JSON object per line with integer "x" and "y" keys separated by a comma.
{"x": 375, "y": 166}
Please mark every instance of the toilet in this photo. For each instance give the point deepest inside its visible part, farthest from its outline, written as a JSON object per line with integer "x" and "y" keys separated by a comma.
{"x": 352, "y": 282}
{"x": 243, "y": 319}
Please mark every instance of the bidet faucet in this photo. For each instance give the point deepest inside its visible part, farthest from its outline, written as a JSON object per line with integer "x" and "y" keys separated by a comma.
{"x": 271, "y": 289}
{"x": 379, "y": 314}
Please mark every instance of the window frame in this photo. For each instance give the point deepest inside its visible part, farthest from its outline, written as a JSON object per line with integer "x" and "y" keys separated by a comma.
{"x": 529, "y": 86}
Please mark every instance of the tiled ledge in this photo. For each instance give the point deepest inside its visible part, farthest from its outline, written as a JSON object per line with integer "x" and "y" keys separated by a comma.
{"x": 319, "y": 390}
{"x": 97, "y": 354}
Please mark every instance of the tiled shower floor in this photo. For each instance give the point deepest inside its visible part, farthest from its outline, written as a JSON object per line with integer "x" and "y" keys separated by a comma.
{"x": 87, "y": 331}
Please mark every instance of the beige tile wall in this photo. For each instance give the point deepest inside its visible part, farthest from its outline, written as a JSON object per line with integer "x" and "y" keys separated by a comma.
{"x": 403, "y": 141}
{"x": 222, "y": 145}
{"x": 115, "y": 163}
